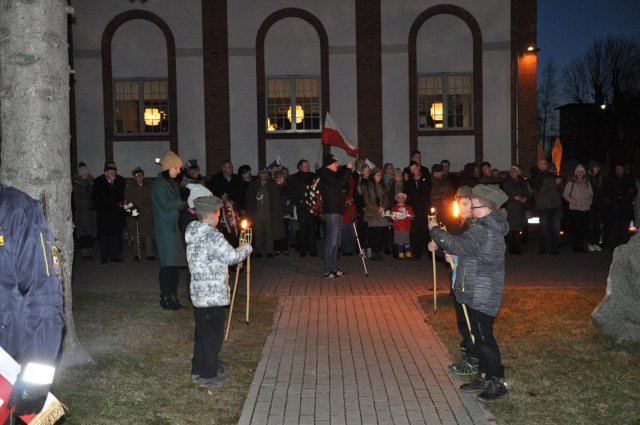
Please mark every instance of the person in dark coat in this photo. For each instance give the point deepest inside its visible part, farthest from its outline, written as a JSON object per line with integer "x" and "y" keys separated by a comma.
{"x": 300, "y": 181}
{"x": 265, "y": 213}
{"x": 469, "y": 175}
{"x": 416, "y": 156}
{"x": 108, "y": 195}
{"x": 620, "y": 191}
{"x": 333, "y": 185}
{"x": 548, "y": 202}
{"x": 244, "y": 171}
{"x": 140, "y": 228}
{"x": 454, "y": 180}
{"x": 598, "y": 207}
{"x": 226, "y": 182}
{"x": 84, "y": 215}
{"x": 281, "y": 246}
{"x": 418, "y": 190}
{"x": 166, "y": 201}
{"x": 31, "y": 298}
{"x": 479, "y": 282}
{"x": 517, "y": 191}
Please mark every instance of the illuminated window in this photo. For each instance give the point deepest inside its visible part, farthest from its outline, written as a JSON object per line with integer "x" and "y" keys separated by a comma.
{"x": 141, "y": 106}
{"x": 293, "y": 104}
{"x": 444, "y": 101}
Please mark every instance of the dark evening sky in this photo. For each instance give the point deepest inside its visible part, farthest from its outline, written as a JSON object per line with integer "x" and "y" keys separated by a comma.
{"x": 566, "y": 28}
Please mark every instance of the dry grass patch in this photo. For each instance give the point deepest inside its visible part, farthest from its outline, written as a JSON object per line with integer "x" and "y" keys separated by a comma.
{"x": 142, "y": 363}
{"x": 560, "y": 369}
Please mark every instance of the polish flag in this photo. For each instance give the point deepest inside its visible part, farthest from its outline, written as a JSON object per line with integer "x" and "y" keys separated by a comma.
{"x": 331, "y": 135}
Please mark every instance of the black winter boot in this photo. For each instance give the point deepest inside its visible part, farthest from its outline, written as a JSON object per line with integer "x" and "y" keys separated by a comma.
{"x": 167, "y": 303}
{"x": 176, "y": 301}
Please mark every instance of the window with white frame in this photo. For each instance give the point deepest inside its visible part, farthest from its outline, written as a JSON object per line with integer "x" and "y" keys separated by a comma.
{"x": 293, "y": 104}
{"x": 141, "y": 106}
{"x": 444, "y": 101}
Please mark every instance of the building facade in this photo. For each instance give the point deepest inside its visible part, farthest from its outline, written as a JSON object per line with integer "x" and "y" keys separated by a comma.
{"x": 253, "y": 80}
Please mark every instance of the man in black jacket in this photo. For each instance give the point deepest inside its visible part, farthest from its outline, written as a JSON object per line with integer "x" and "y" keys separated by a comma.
{"x": 300, "y": 181}
{"x": 334, "y": 183}
{"x": 418, "y": 190}
{"x": 226, "y": 182}
{"x": 108, "y": 195}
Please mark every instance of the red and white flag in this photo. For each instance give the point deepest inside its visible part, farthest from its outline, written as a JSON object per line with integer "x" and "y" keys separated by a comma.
{"x": 331, "y": 135}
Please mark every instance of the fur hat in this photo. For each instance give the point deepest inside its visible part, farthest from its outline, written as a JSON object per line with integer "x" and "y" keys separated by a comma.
{"x": 328, "y": 160}
{"x": 196, "y": 191}
{"x": 490, "y": 192}
{"x": 110, "y": 165}
{"x": 207, "y": 204}
{"x": 170, "y": 160}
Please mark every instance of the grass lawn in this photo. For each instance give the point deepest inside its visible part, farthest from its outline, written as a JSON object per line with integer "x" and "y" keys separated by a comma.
{"x": 559, "y": 368}
{"x": 142, "y": 363}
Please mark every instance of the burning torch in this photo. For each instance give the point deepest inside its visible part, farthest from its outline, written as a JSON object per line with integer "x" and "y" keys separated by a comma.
{"x": 432, "y": 216}
{"x": 246, "y": 235}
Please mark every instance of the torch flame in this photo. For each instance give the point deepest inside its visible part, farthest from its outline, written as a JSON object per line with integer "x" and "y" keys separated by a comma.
{"x": 456, "y": 209}
{"x": 433, "y": 211}
{"x": 243, "y": 224}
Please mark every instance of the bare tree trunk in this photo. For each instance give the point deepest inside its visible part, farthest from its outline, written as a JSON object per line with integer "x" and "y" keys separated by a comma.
{"x": 34, "y": 116}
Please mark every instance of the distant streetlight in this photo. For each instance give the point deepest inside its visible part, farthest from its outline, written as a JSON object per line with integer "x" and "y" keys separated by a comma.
{"x": 603, "y": 106}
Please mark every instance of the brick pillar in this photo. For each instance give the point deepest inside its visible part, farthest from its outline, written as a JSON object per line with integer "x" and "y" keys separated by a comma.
{"x": 215, "y": 58}
{"x": 369, "y": 79}
{"x": 524, "y": 34}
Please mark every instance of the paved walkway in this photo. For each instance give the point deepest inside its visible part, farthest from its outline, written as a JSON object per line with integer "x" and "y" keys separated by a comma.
{"x": 356, "y": 350}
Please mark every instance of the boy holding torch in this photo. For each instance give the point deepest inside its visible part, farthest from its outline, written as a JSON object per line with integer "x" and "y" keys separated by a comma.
{"x": 480, "y": 282}
{"x": 209, "y": 256}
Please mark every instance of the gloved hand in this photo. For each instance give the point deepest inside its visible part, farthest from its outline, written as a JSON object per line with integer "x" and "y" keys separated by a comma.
{"x": 27, "y": 397}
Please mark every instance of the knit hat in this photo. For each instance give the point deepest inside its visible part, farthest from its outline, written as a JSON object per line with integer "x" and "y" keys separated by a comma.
{"x": 170, "y": 160}
{"x": 110, "y": 165}
{"x": 404, "y": 195}
{"x": 207, "y": 204}
{"x": 579, "y": 167}
{"x": 136, "y": 171}
{"x": 328, "y": 160}
{"x": 515, "y": 167}
{"x": 437, "y": 168}
{"x": 196, "y": 190}
{"x": 464, "y": 192}
{"x": 491, "y": 193}
{"x": 82, "y": 170}
{"x": 265, "y": 170}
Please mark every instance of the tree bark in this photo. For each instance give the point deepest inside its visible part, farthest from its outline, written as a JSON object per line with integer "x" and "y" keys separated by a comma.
{"x": 34, "y": 121}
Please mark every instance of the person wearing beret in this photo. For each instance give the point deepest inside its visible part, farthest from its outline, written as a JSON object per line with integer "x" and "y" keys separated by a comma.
{"x": 209, "y": 256}
{"x": 138, "y": 192}
{"x": 479, "y": 282}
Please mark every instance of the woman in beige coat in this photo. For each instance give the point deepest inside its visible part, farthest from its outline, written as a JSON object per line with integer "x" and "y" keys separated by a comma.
{"x": 579, "y": 194}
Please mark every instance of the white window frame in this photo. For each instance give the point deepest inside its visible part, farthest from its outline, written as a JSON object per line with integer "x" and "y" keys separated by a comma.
{"x": 292, "y": 79}
{"x": 444, "y": 77}
{"x": 141, "y": 107}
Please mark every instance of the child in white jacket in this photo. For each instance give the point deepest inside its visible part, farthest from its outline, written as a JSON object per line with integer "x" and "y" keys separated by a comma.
{"x": 209, "y": 256}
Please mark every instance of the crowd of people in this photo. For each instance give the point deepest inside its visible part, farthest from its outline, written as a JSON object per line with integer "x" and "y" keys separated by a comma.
{"x": 388, "y": 207}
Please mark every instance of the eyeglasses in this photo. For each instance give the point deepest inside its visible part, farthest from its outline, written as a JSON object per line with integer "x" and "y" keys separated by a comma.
{"x": 479, "y": 206}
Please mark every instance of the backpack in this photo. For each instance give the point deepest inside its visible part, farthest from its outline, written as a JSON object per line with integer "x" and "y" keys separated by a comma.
{"x": 313, "y": 199}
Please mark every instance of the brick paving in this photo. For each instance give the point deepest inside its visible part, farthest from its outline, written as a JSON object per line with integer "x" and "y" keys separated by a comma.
{"x": 356, "y": 350}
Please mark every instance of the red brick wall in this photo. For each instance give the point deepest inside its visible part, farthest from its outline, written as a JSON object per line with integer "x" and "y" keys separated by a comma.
{"x": 524, "y": 34}
{"x": 369, "y": 79}
{"x": 477, "y": 78}
{"x": 215, "y": 58}
{"x": 107, "y": 81}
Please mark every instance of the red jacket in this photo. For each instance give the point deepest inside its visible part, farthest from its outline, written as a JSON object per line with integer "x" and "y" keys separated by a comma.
{"x": 403, "y": 224}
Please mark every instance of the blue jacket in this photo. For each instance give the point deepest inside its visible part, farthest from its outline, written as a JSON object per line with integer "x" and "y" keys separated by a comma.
{"x": 31, "y": 295}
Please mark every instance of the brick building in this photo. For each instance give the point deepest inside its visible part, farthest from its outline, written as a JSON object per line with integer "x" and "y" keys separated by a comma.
{"x": 251, "y": 80}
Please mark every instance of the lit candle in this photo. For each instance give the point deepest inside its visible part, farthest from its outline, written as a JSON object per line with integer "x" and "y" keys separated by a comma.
{"x": 243, "y": 224}
{"x": 456, "y": 209}
{"x": 433, "y": 211}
